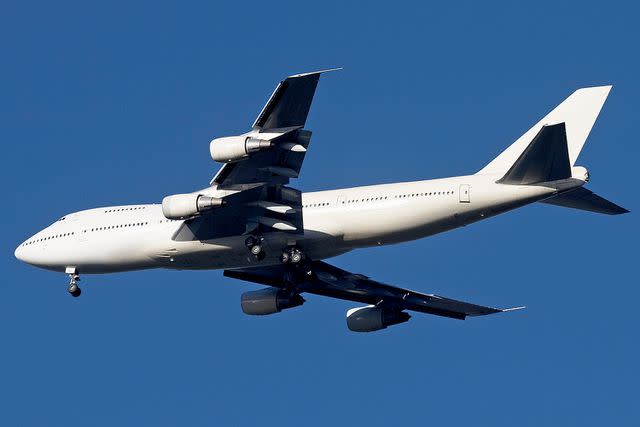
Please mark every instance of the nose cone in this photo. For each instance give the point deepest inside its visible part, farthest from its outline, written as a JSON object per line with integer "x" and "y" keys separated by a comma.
{"x": 29, "y": 254}
{"x": 19, "y": 253}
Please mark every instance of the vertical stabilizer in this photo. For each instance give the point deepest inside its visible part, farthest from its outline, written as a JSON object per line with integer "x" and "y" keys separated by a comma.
{"x": 579, "y": 112}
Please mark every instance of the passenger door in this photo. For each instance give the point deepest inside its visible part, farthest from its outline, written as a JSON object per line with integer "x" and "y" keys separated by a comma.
{"x": 465, "y": 193}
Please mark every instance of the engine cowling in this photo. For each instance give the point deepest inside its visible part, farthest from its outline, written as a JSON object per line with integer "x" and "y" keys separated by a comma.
{"x": 268, "y": 301}
{"x": 372, "y": 318}
{"x": 181, "y": 206}
{"x": 234, "y": 148}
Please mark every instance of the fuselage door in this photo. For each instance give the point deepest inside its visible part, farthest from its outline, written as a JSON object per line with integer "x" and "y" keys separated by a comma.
{"x": 465, "y": 193}
{"x": 341, "y": 200}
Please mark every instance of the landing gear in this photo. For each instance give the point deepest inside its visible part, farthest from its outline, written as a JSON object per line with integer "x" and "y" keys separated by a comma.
{"x": 291, "y": 255}
{"x": 254, "y": 244}
{"x": 297, "y": 259}
{"x": 73, "y": 287}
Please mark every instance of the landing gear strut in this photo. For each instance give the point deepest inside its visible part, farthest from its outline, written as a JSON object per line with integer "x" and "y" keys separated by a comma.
{"x": 254, "y": 244}
{"x": 73, "y": 288}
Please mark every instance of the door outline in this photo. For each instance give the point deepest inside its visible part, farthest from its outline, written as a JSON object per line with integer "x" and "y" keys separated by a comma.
{"x": 465, "y": 193}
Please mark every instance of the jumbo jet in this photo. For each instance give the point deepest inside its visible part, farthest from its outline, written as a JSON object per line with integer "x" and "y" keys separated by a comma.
{"x": 250, "y": 223}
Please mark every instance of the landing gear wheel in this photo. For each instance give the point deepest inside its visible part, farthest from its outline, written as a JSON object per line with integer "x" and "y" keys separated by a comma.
{"x": 250, "y": 241}
{"x": 291, "y": 255}
{"x": 74, "y": 291}
{"x": 254, "y": 244}
{"x": 296, "y": 256}
{"x": 73, "y": 288}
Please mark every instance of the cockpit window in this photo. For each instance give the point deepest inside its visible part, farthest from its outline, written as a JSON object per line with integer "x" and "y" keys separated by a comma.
{"x": 62, "y": 219}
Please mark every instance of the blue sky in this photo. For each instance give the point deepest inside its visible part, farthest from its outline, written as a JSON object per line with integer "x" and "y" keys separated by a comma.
{"x": 112, "y": 103}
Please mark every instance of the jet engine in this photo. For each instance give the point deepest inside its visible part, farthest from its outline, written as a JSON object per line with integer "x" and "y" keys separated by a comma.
{"x": 234, "y": 148}
{"x": 372, "y": 318}
{"x": 269, "y": 301}
{"x": 181, "y": 206}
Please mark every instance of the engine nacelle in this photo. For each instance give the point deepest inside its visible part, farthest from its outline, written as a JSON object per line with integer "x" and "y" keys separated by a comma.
{"x": 580, "y": 172}
{"x": 268, "y": 301}
{"x": 234, "y": 148}
{"x": 372, "y": 318}
{"x": 181, "y": 206}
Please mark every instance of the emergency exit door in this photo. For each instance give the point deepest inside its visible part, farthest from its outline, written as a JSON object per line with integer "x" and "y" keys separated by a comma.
{"x": 465, "y": 193}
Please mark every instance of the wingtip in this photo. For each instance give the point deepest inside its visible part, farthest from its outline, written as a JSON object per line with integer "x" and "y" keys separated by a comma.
{"x": 605, "y": 89}
{"x": 328, "y": 70}
{"x": 522, "y": 307}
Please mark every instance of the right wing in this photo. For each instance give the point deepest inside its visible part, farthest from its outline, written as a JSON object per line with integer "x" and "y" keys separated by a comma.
{"x": 334, "y": 282}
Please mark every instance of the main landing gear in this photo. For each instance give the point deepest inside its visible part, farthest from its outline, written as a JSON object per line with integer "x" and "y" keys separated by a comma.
{"x": 73, "y": 287}
{"x": 254, "y": 244}
{"x": 292, "y": 255}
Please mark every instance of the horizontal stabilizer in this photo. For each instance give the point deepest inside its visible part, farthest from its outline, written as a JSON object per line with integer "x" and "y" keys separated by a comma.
{"x": 586, "y": 200}
{"x": 545, "y": 159}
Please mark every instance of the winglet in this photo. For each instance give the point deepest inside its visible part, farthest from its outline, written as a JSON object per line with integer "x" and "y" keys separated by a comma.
{"x": 328, "y": 70}
{"x": 504, "y": 310}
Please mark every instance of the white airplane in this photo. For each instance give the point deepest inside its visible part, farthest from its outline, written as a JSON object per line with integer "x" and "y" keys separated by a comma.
{"x": 255, "y": 227}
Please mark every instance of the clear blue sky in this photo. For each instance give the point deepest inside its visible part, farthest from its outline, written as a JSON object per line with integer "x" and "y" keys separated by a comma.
{"x": 107, "y": 103}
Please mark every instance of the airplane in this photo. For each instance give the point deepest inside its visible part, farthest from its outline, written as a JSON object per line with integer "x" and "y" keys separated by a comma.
{"x": 250, "y": 223}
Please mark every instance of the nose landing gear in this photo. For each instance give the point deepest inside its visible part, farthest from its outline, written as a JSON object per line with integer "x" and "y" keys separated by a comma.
{"x": 73, "y": 287}
{"x": 74, "y": 278}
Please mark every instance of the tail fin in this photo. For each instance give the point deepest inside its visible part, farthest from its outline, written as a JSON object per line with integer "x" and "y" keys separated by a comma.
{"x": 579, "y": 112}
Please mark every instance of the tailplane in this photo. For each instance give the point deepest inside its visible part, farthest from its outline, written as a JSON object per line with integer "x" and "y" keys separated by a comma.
{"x": 585, "y": 200}
{"x": 547, "y": 153}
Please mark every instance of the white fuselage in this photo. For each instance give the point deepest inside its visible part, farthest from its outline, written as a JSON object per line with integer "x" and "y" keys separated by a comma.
{"x": 123, "y": 238}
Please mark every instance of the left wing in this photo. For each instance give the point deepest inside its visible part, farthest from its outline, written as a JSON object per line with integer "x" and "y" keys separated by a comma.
{"x": 281, "y": 122}
{"x": 331, "y": 281}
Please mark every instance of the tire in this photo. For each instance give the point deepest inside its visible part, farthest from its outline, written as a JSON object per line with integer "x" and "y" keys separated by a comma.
{"x": 296, "y": 257}
{"x": 256, "y": 249}
{"x": 250, "y": 241}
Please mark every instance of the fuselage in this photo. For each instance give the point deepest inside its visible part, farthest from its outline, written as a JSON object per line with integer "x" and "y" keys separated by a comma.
{"x": 124, "y": 238}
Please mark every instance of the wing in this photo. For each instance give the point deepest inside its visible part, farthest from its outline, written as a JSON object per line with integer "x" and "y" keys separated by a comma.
{"x": 281, "y": 122}
{"x": 334, "y": 282}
